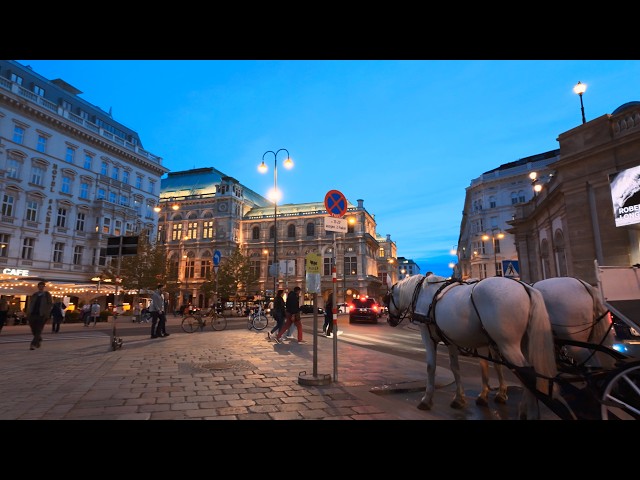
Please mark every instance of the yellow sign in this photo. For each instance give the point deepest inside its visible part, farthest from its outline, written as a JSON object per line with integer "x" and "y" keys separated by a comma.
{"x": 313, "y": 261}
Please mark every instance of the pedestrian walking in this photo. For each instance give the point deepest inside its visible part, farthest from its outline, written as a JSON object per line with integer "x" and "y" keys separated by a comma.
{"x": 57, "y": 316}
{"x": 327, "y": 327}
{"x": 95, "y": 312}
{"x": 292, "y": 307}
{"x": 158, "y": 317}
{"x": 39, "y": 313}
{"x": 4, "y": 312}
{"x": 86, "y": 314}
{"x": 137, "y": 311}
{"x": 278, "y": 310}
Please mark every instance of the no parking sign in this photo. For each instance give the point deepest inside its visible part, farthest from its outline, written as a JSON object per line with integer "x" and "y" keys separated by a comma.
{"x": 335, "y": 203}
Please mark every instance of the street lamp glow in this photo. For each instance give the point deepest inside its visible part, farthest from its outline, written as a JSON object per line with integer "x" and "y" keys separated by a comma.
{"x": 579, "y": 89}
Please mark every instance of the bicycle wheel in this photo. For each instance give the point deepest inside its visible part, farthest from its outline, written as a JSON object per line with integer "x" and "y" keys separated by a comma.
{"x": 260, "y": 321}
{"x": 190, "y": 324}
{"x": 218, "y": 322}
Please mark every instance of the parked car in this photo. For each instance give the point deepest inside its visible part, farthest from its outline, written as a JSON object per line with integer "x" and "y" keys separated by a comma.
{"x": 364, "y": 310}
{"x": 309, "y": 309}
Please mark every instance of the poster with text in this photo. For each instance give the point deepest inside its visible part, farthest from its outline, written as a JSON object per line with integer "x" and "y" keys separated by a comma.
{"x": 625, "y": 195}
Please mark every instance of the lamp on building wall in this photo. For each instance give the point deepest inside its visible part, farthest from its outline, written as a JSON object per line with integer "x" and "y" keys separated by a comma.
{"x": 579, "y": 89}
{"x": 494, "y": 236}
{"x": 537, "y": 187}
{"x": 275, "y": 196}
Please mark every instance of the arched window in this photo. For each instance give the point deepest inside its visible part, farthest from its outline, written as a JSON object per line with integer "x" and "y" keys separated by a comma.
{"x": 291, "y": 231}
{"x": 272, "y": 231}
{"x": 255, "y": 233}
{"x": 561, "y": 256}
{"x": 311, "y": 229}
{"x": 544, "y": 257}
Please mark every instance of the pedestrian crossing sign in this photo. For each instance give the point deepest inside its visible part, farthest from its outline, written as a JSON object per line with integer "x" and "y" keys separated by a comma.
{"x": 511, "y": 268}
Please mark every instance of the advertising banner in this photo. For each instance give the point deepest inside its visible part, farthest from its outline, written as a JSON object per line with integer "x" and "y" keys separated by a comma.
{"x": 625, "y": 195}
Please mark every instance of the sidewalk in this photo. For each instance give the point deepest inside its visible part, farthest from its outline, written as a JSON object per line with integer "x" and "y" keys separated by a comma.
{"x": 229, "y": 375}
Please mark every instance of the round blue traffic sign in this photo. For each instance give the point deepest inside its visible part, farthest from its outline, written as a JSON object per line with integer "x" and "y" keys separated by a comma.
{"x": 335, "y": 203}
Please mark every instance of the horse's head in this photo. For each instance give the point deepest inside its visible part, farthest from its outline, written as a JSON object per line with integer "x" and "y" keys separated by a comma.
{"x": 394, "y": 317}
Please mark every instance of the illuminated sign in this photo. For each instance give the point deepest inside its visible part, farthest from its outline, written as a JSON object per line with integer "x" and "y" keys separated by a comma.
{"x": 625, "y": 195}
{"x": 15, "y": 271}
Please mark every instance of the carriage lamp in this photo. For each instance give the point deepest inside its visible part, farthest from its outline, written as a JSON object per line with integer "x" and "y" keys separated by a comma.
{"x": 579, "y": 89}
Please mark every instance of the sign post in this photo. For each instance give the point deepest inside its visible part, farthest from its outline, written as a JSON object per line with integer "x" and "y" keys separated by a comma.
{"x": 216, "y": 263}
{"x": 336, "y": 204}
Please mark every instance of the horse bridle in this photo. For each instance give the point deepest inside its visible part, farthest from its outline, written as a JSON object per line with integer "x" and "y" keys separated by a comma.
{"x": 395, "y": 320}
{"x": 409, "y": 311}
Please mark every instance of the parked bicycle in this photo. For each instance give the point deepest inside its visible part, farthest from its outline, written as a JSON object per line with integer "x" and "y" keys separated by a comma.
{"x": 199, "y": 320}
{"x": 258, "y": 320}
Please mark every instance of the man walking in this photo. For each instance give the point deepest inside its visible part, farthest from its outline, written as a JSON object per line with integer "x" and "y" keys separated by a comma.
{"x": 158, "y": 318}
{"x": 39, "y": 313}
{"x": 293, "y": 315}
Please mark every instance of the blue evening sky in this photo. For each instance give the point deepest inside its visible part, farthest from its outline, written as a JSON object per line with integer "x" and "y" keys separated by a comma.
{"x": 405, "y": 136}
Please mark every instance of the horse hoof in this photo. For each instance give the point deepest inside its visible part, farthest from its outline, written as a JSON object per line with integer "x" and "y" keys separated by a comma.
{"x": 458, "y": 405}
{"x": 482, "y": 402}
{"x": 424, "y": 406}
{"x": 501, "y": 399}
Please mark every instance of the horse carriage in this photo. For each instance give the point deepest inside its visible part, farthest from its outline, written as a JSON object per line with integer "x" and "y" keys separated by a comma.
{"x": 556, "y": 336}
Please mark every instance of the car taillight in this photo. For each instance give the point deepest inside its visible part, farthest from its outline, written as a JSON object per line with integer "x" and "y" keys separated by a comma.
{"x": 374, "y": 308}
{"x": 351, "y": 306}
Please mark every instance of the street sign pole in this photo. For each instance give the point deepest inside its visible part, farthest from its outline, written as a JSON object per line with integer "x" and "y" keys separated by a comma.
{"x": 336, "y": 204}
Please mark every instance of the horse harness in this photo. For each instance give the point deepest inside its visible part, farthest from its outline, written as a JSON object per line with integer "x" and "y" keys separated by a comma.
{"x": 430, "y": 318}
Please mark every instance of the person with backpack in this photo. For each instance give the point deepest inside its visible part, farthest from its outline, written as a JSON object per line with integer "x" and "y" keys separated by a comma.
{"x": 57, "y": 316}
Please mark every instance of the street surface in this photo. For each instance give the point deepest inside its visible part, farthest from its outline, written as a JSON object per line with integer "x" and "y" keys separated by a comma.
{"x": 403, "y": 341}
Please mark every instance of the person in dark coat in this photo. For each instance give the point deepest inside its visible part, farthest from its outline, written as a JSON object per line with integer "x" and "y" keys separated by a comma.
{"x": 39, "y": 312}
{"x": 279, "y": 313}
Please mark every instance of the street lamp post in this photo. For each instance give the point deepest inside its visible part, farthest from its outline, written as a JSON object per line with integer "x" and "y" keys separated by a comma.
{"x": 275, "y": 196}
{"x": 158, "y": 209}
{"x": 493, "y": 238}
{"x": 266, "y": 276}
{"x": 579, "y": 89}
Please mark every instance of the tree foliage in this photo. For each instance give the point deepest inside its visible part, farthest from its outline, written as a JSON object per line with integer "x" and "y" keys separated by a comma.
{"x": 234, "y": 275}
{"x": 141, "y": 271}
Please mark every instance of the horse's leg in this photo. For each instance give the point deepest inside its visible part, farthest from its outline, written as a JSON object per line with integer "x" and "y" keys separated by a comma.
{"x": 483, "y": 399}
{"x": 459, "y": 400}
{"x": 430, "y": 352}
{"x": 501, "y": 396}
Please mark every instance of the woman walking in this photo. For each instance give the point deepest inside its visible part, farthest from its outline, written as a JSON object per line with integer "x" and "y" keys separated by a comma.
{"x": 278, "y": 312}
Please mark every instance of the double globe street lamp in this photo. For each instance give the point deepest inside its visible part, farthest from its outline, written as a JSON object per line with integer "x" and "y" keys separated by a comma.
{"x": 275, "y": 195}
{"x": 495, "y": 240}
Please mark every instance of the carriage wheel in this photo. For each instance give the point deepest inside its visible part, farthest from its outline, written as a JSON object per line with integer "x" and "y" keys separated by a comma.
{"x": 621, "y": 397}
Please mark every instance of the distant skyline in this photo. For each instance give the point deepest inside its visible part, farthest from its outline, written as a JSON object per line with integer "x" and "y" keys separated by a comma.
{"x": 405, "y": 136}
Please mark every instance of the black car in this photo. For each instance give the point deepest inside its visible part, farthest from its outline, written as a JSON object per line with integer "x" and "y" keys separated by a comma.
{"x": 364, "y": 310}
{"x": 309, "y": 309}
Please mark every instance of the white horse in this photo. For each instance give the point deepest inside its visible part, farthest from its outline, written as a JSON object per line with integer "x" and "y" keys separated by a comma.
{"x": 497, "y": 312}
{"x": 576, "y": 313}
